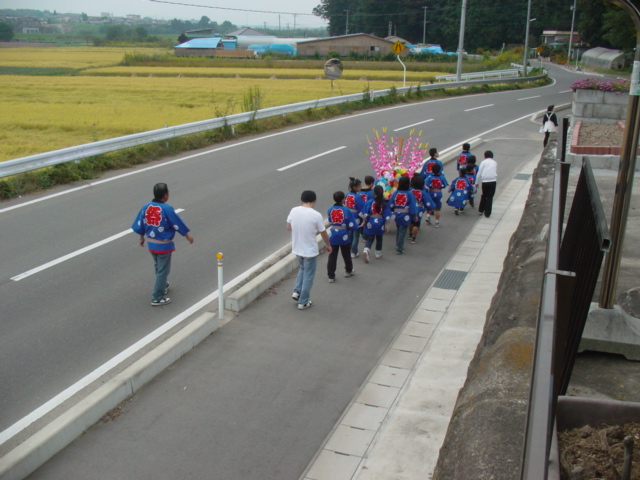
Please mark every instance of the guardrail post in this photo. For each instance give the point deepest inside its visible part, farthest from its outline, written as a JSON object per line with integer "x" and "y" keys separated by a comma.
{"x": 219, "y": 256}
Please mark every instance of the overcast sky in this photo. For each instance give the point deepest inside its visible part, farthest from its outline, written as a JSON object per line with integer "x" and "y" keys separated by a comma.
{"x": 239, "y": 12}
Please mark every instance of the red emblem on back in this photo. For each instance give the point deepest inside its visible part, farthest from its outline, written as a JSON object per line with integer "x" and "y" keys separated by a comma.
{"x": 401, "y": 199}
{"x": 350, "y": 201}
{"x": 153, "y": 215}
{"x": 337, "y": 216}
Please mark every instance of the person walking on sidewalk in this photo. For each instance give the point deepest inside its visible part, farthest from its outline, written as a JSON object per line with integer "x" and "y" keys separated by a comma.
{"x": 341, "y": 223}
{"x": 549, "y": 124}
{"x": 304, "y": 223}
{"x": 487, "y": 177}
{"x": 158, "y": 222}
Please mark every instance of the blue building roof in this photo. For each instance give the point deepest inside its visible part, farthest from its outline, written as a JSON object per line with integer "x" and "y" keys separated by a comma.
{"x": 214, "y": 42}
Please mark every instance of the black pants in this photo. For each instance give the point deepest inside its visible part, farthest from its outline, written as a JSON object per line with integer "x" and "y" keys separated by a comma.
{"x": 486, "y": 199}
{"x": 546, "y": 139}
{"x": 333, "y": 259}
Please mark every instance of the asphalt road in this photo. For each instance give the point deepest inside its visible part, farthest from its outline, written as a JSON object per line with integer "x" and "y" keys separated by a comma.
{"x": 60, "y": 324}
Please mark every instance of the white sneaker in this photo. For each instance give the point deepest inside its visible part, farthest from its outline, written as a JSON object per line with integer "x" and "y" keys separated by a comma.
{"x": 309, "y": 304}
{"x": 378, "y": 254}
{"x": 365, "y": 255}
{"x": 295, "y": 296}
{"x": 351, "y": 273}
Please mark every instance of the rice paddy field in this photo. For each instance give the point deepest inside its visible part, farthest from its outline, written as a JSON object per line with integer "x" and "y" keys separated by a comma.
{"x": 52, "y": 98}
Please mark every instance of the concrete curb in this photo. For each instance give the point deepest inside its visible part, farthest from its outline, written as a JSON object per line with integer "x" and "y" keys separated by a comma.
{"x": 38, "y": 449}
{"x": 241, "y": 298}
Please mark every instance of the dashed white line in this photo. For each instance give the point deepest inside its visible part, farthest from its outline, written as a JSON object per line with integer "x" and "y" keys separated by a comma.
{"x": 478, "y": 108}
{"x": 529, "y": 98}
{"x": 309, "y": 159}
{"x": 71, "y": 255}
{"x": 414, "y": 125}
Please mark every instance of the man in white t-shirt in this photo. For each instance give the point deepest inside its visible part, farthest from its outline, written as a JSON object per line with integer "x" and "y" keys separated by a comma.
{"x": 487, "y": 177}
{"x": 304, "y": 223}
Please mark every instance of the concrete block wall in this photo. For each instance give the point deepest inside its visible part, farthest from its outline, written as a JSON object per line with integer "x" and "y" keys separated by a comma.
{"x": 597, "y": 106}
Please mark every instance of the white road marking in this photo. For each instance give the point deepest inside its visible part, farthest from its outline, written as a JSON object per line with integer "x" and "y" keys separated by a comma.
{"x": 478, "y": 108}
{"x": 115, "y": 361}
{"x": 566, "y": 91}
{"x": 309, "y": 159}
{"x": 529, "y": 98}
{"x": 414, "y": 125}
{"x": 71, "y": 255}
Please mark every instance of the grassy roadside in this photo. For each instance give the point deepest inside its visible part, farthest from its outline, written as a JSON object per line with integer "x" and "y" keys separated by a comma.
{"x": 90, "y": 168}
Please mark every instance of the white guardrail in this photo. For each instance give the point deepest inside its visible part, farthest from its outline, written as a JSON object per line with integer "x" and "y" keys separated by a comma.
{"x": 512, "y": 72}
{"x": 71, "y": 154}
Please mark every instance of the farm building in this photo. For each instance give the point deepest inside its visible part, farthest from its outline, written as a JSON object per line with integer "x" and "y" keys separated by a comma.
{"x": 604, "y": 58}
{"x": 361, "y": 43}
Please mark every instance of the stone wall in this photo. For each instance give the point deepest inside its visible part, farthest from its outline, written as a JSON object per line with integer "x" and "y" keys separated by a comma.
{"x": 598, "y": 106}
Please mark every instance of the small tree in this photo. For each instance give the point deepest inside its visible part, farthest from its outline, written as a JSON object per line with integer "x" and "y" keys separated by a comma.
{"x": 6, "y": 32}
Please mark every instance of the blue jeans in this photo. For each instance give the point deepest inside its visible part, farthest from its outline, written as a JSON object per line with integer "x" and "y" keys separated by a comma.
{"x": 162, "y": 266}
{"x": 355, "y": 238}
{"x": 401, "y": 235}
{"x": 304, "y": 279}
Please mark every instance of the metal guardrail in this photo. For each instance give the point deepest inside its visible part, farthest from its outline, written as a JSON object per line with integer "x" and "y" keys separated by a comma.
{"x": 572, "y": 266}
{"x": 71, "y": 154}
{"x": 513, "y": 72}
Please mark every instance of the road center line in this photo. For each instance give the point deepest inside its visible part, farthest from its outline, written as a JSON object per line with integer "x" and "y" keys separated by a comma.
{"x": 71, "y": 255}
{"x": 529, "y": 98}
{"x": 309, "y": 159}
{"x": 478, "y": 108}
{"x": 415, "y": 124}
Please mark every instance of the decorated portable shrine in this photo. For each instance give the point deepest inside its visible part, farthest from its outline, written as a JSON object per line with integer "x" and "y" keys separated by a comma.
{"x": 394, "y": 157}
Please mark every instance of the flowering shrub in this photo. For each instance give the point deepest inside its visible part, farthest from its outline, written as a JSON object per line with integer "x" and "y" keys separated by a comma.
{"x": 617, "y": 86}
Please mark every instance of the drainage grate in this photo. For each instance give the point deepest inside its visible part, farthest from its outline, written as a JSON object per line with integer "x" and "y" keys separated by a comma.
{"x": 450, "y": 279}
{"x": 522, "y": 176}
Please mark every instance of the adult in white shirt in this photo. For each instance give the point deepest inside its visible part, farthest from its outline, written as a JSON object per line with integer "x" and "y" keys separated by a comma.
{"x": 304, "y": 223}
{"x": 487, "y": 177}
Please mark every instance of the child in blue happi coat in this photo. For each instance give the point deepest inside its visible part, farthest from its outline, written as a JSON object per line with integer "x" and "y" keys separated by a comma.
{"x": 435, "y": 184}
{"x": 353, "y": 201}
{"x": 376, "y": 215}
{"x": 341, "y": 223}
{"x": 403, "y": 205}
{"x": 472, "y": 170}
{"x": 460, "y": 190}
{"x": 427, "y": 167}
{"x": 423, "y": 202}
{"x": 464, "y": 155}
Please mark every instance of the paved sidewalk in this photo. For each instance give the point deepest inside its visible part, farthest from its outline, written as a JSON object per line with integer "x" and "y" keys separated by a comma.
{"x": 395, "y": 427}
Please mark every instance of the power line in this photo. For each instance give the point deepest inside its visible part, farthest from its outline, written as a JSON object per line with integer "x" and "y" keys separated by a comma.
{"x": 229, "y": 8}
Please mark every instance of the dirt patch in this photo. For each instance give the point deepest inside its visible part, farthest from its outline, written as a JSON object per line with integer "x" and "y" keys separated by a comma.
{"x": 600, "y": 134}
{"x": 588, "y": 452}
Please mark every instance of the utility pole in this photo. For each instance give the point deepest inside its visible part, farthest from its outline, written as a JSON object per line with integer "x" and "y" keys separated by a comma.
{"x": 424, "y": 25}
{"x": 624, "y": 182}
{"x": 573, "y": 19}
{"x": 346, "y": 28}
{"x": 526, "y": 39}
{"x": 461, "y": 40}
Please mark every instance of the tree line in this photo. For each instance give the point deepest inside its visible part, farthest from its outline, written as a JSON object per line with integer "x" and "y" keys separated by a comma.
{"x": 488, "y": 25}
